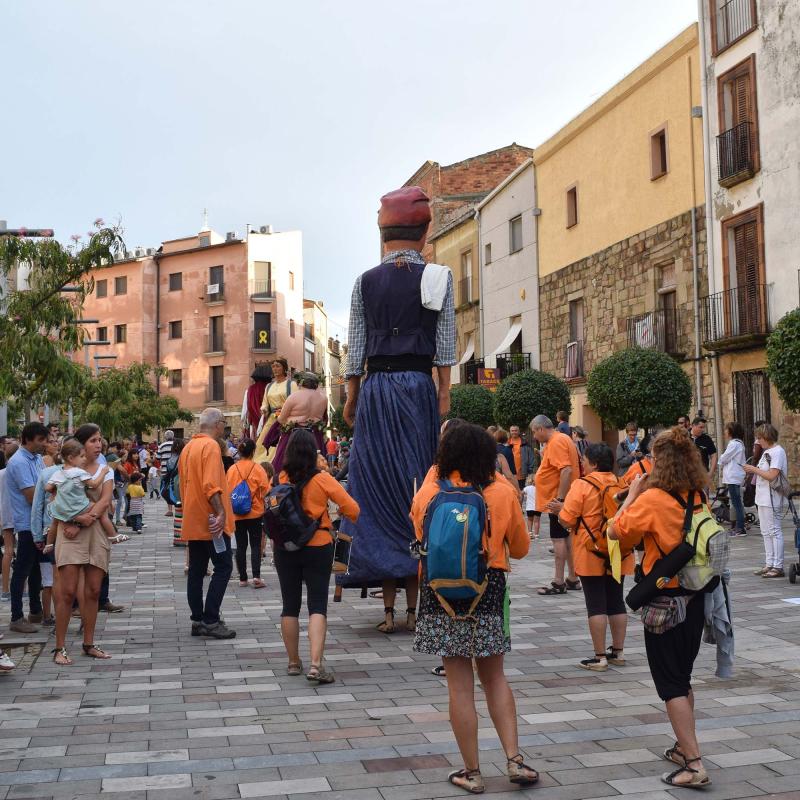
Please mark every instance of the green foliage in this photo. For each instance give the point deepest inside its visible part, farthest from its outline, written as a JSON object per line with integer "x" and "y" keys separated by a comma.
{"x": 37, "y": 330}
{"x": 639, "y": 385}
{"x": 783, "y": 359}
{"x": 125, "y": 401}
{"x": 472, "y": 403}
{"x": 523, "y": 395}
{"x": 338, "y": 423}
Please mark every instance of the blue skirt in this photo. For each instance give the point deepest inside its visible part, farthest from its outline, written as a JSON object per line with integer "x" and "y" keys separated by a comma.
{"x": 394, "y": 442}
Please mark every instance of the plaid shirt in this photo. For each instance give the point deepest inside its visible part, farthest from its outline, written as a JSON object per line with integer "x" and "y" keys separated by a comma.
{"x": 445, "y": 324}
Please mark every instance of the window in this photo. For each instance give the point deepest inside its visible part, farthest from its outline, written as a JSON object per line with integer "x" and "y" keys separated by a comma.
{"x": 262, "y": 279}
{"x": 658, "y": 153}
{"x": 101, "y": 288}
{"x": 120, "y": 334}
{"x": 175, "y": 378}
{"x": 101, "y": 334}
{"x": 176, "y": 329}
{"x": 216, "y": 284}
{"x": 487, "y": 253}
{"x": 572, "y": 206}
{"x": 465, "y": 281}
{"x": 738, "y": 156}
{"x": 291, "y": 328}
{"x": 730, "y": 21}
{"x": 291, "y": 281}
{"x": 751, "y": 401}
{"x": 216, "y": 342}
{"x": 515, "y": 235}
{"x": 204, "y": 241}
{"x": 262, "y": 331}
{"x": 216, "y": 384}
{"x": 573, "y": 366}
{"x": 666, "y": 321}
{"x": 121, "y": 285}
{"x": 175, "y": 281}
{"x": 576, "y": 320}
{"x": 308, "y": 361}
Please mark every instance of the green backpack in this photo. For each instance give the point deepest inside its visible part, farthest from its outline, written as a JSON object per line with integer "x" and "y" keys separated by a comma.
{"x": 710, "y": 542}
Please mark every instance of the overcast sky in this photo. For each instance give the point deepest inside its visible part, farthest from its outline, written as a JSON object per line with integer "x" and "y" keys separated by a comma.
{"x": 298, "y": 114}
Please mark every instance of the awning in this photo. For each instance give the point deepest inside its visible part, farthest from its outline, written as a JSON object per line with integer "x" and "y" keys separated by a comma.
{"x": 509, "y": 338}
{"x": 469, "y": 352}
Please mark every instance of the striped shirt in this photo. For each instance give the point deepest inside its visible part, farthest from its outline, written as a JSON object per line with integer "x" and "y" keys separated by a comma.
{"x": 164, "y": 452}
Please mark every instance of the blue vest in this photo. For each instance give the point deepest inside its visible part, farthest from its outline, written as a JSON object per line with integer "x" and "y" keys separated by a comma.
{"x": 397, "y": 322}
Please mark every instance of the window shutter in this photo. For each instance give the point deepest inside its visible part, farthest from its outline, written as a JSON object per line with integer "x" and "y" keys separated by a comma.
{"x": 741, "y": 99}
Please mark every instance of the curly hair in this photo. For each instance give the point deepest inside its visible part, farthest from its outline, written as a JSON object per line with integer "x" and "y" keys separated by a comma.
{"x": 471, "y": 451}
{"x": 678, "y": 466}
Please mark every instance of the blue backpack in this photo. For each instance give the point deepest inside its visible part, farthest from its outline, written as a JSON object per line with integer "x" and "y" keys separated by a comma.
{"x": 453, "y": 552}
{"x": 241, "y": 499}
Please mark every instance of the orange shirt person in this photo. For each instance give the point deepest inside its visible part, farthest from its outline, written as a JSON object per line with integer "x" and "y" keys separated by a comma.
{"x": 644, "y": 466}
{"x": 206, "y": 513}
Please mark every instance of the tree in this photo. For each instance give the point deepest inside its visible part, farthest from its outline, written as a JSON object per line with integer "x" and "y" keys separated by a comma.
{"x": 125, "y": 401}
{"x": 38, "y": 329}
{"x": 523, "y": 395}
{"x": 472, "y": 403}
{"x": 338, "y": 423}
{"x": 783, "y": 359}
{"x": 644, "y": 386}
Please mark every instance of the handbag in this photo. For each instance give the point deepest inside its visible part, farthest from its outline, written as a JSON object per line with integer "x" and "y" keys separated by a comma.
{"x": 780, "y": 483}
{"x": 661, "y": 614}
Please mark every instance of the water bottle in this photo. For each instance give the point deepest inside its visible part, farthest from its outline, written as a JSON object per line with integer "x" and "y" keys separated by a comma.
{"x": 219, "y": 538}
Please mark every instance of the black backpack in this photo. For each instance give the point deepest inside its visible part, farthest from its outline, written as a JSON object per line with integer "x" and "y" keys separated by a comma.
{"x": 286, "y": 522}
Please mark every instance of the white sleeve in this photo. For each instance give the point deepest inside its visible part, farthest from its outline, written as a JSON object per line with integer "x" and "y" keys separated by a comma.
{"x": 58, "y": 477}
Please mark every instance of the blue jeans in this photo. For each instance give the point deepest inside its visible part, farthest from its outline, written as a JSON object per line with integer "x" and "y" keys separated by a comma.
{"x": 199, "y": 554}
{"x": 26, "y": 568}
{"x": 735, "y": 494}
{"x": 135, "y": 521}
{"x": 119, "y": 495}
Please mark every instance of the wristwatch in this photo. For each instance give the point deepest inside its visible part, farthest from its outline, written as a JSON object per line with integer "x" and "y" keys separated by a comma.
{"x": 559, "y": 499}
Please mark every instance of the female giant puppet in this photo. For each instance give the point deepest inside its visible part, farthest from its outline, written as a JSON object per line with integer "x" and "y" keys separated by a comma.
{"x": 402, "y": 327}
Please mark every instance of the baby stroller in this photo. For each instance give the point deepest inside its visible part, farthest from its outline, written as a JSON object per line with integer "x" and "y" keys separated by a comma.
{"x": 721, "y": 507}
{"x": 794, "y": 568}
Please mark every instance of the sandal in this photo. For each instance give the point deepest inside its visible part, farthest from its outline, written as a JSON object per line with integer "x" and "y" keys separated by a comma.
{"x": 468, "y": 779}
{"x": 119, "y": 539}
{"x": 519, "y": 772}
{"x": 774, "y": 573}
{"x": 61, "y": 652}
{"x": 675, "y": 755}
{"x": 699, "y": 779}
{"x": 318, "y": 674}
{"x": 386, "y": 627}
{"x": 98, "y": 652}
{"x": 295, "y": 669}
{"x": 258, "y": 583}
{"x": 439, "y": 671}
{"x": 411, "y": 619}
{"x": 615, "y": 657}
{"x": 762, "y": 571}
{"x": 553, "y": 588}
{"x": 574, "y": 586}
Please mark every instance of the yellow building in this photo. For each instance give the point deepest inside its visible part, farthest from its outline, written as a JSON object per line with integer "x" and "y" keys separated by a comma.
{"x": 621, "y": 235}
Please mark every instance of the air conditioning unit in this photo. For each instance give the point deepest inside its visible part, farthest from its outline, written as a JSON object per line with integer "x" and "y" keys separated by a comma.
{"x": 265, "y": 229}
{"x": 139, "y": 252}
{"x": 151, "y": 251}
{"x": 230, "y": 236}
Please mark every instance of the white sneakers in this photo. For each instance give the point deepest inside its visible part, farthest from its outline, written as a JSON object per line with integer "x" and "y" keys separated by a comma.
{"x": 6, "y": 663}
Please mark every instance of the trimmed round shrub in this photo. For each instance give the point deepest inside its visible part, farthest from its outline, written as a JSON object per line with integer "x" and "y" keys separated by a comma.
{"x": 472, "y": 403}
{"x": 783, "y": 359}
{"x": 523, "y": 395}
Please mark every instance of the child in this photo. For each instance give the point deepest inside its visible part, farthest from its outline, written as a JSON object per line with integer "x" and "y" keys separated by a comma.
{"x": 70, "y": 484}
{"x": 136, "y": 502}
{"x": 529, "y": 503}
{"x": 152, "y": 480}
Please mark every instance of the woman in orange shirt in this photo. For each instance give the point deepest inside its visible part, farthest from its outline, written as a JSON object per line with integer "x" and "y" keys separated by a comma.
{"x": 312, "y": 564}
{"x": 652, "y": 514}
{"x": 248, "y": 526}
{"x": 580, "y": 510}
{"x": 466, "y": 457}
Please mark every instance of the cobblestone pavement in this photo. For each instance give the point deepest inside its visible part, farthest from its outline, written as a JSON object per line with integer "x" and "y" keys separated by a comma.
{"x": 175, "y": 717}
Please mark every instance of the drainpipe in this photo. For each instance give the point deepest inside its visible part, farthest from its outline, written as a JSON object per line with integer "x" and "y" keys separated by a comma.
{"x": 480, "y": 279}
{"x": 698, "y": 378}
{"x": 157, "y": 259}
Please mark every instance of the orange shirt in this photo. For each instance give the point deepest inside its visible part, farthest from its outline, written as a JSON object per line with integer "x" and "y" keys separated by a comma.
{"x": 202, "y": 475}
{"x": 516, "y": 446}
{"x": 432, "y": 476}
{"x": 321, "y": 488}
{"x": 642, "y": 467}
{"x": 332, "y": 447}
{"x": 583, "y": 500}
{"x": 509, "y": 533}
{"x": 656, "y": 518}
{"x": 558, "y": 453}
{"x": 257, "y": 481}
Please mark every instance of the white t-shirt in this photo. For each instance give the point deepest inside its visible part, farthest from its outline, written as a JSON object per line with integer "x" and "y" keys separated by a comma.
{"x": 142, "y": 458}
{"x": 777, "y": 460}
{"x": 152, "y": 473}
{"x": 65, "y": 474}
{"x": 529, "y": 497}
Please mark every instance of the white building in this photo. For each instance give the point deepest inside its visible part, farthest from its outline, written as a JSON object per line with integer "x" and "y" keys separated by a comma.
{"x": 509, "y": 276}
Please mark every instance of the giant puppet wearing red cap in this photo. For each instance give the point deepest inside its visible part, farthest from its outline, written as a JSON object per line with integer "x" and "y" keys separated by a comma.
{"x": 402, "y": 329}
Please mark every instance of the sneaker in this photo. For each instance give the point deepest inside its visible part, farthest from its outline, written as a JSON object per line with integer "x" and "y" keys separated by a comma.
{"x": 5, "y": 597}
{"x": 6, "y": 664}
{"x": 110, "y": 608}
{"x": 762, "y": 571}
{"x": 219, "y": 630}
{"x": 35, "y": 619}
{"x": 197, "y": 628}
{"x": 49, "y": 622}
{"x": 596, "y": 664}
{"x": 20, "y": 626}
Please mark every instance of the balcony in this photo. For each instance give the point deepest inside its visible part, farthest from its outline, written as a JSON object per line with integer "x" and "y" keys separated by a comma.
{"x": 265, "y": 341}
{"x": 573, "y": 361}
{"x": 215, "y": 293}
{"x": 465, "y": 294}
{"x": 737, "y": 318}
{"x": 308, "y": 331}
{"x": 262, "y": 290}
{"x": 655, "y": 330}
{"x": 507, "y": 364}
{"x": 733, "y": 20}
{"x": 736, "y": 155}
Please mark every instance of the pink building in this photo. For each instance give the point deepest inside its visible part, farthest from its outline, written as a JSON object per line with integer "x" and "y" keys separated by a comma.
{"x": 207, "y": 308}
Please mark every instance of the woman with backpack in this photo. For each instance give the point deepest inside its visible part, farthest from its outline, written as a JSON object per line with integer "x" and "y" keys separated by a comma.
{"x": 311, "y": 564}
{"x": 248, "y": 485}
{"x": 466, "y": 458}
{"x": 771, "y": 465}
{"x": 586, "y": 509}
{"x": 654, "y": 512}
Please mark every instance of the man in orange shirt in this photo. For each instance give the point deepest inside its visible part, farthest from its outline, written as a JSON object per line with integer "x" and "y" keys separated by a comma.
{"x": 557, "y": 472}
{"x": 207, "y": 515}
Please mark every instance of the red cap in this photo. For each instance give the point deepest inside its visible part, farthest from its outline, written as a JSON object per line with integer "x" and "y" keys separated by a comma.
{"x": 404, "y": 207}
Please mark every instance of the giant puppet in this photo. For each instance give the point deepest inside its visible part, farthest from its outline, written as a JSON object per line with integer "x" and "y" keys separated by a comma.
{"x": 402, "y": 329}
{"x": 253, "y": 397}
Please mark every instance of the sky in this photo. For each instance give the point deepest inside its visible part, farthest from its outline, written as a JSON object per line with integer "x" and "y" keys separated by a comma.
{"x": 295, "y": 114}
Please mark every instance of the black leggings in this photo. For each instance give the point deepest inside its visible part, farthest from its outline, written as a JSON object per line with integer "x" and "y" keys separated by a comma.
{"x": 248, "y": 529}
{"x": 603, "y": 595}
{"x": 309, "y": 565}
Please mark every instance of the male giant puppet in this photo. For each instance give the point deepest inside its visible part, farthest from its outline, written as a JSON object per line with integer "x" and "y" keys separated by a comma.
{"x": 402, "y": 328}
